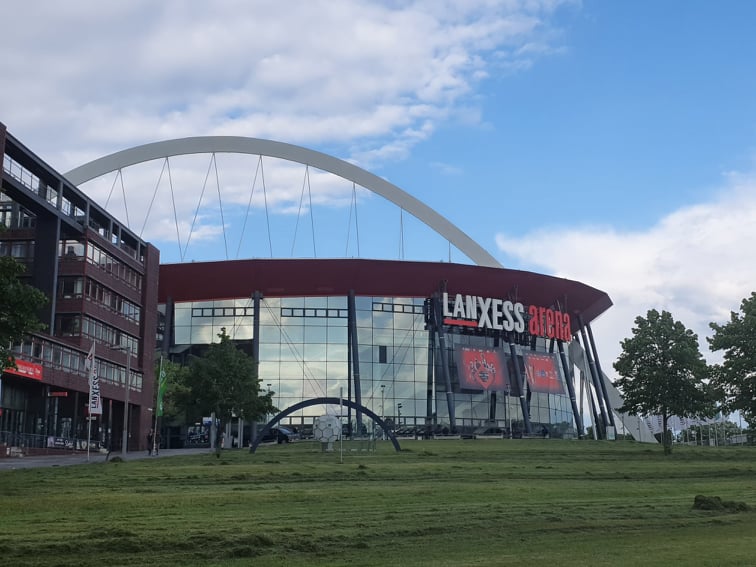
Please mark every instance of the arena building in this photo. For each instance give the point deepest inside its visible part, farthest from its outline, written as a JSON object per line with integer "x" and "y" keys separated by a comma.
{"x": 425, "y": 348}
{"x": 431, "y": 347}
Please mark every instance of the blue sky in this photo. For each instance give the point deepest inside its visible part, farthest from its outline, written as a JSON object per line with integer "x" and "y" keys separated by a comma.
{"x": 608, "y": 142}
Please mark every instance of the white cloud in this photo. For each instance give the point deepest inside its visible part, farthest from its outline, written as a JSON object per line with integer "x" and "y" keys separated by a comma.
{"x": 376, "y": 77}
{"x": 697, "y": 263}
{"x": 368, "y": 80}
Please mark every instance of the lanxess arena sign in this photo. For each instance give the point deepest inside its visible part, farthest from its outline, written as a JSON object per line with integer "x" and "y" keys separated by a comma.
{"x": 505, "y": 315}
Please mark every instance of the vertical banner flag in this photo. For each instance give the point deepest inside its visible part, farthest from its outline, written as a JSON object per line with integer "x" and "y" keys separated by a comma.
{"x": 542, "y": 374}
{"x": 162, "y": 382}
{"x": 95, "y": 400}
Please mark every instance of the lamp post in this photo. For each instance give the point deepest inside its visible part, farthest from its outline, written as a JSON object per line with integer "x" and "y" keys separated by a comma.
{"x": 383, "y": 387}
{"x": 266, "y": 413}
{"x": 125, "y": 440}
{"x": 383, "y": 430}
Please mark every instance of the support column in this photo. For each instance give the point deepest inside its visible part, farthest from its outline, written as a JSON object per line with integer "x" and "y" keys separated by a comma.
{"x": 437, "y": 321}
{"x": 429, "y": 395}
{"x": 521, "y": 385}
{"x": 600, "y": 376}
{"x": 256, "y": 297}
{"x": 601, "y": 421}
{"x": 571, "y": 390}
{"x": 168, "y": 332}
{"x": 349, "y": 371}
{"x": 352, "y": 322}
{"x": 44, "y": 272}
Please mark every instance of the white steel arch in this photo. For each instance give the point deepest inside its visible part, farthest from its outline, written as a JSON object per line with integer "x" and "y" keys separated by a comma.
{"x": 289, "y": 152}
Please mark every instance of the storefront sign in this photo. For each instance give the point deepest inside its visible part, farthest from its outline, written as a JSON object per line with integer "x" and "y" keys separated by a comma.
{"x": 504, "y": 315}
{"x": 26, "y": 369}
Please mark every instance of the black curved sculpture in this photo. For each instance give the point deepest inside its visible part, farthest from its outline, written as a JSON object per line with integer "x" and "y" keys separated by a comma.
{"x": 320, "y": 401}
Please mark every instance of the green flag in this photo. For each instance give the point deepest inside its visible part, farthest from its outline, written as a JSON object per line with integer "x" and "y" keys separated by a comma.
{"x": 162, "y": 382}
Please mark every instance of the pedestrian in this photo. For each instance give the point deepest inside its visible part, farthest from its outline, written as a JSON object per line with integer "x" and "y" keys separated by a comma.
{"x": 150, "y": 436}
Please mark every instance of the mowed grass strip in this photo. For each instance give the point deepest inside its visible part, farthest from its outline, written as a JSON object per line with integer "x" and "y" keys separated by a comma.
{"x": 456, "y": 503}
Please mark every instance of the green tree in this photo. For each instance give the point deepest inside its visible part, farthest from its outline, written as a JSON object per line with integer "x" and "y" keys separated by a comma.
{"x": 224, "y": 381}
{"x": 735, "y": 379}
{"x": 662, "y": 371}
{"x": 177, "y": 393}
{"x": 19, "y": 304}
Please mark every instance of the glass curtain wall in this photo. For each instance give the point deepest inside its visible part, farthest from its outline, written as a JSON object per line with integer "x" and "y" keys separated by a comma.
{"x": 304, "y": 354}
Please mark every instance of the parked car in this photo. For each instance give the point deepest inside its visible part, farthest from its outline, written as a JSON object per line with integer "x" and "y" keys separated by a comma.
{"x": 286, "y": 434}
{"x": 281, "y": 434}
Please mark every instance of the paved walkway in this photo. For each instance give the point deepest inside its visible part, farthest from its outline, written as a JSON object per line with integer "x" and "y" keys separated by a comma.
{"x": 78, "y": 458}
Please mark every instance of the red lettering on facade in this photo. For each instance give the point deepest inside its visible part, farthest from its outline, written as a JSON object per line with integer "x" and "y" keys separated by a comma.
{"x": 533, "y": 322}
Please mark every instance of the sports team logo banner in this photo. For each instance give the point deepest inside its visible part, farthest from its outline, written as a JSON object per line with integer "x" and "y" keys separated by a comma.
{"x": 95, "y": 400}
{"x": 481, "y": 369}
{"x": 542, "y": 373}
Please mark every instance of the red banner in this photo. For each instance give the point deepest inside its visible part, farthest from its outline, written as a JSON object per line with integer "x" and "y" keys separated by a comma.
{"x": 542, "y": 374}
{"x": 481, "y": 369}
{"x": 26, "y": 369}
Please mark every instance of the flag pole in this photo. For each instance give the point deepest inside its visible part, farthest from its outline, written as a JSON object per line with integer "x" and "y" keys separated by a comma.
{"x": 89, "y": 365}
{"x": 89, "y": 431}
{"x": 158, "y": 407}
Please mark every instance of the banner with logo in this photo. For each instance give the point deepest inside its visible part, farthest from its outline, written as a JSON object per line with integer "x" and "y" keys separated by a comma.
{"x": 541, "y": 371}
{"x": 95, "y": 399}
{"x": 481, "y": 369}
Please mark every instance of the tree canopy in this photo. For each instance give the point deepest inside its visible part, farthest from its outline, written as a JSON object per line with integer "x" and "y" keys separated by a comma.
{"x": 177, "y": 391}
{"x": 662, "y": 371}
{"x": 224, "y": 381}
{"x": 19, "y": 304}
{"x": 735, "y": 379}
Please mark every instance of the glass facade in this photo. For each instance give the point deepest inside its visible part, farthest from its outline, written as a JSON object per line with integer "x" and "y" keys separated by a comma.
{"x": 304, "y": 354}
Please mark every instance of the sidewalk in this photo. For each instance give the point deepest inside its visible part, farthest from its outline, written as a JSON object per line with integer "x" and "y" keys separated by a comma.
{"x": 78, "y": 458}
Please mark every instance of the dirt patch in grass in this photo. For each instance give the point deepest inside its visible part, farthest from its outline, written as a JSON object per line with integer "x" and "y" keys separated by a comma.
{"x": 715, "y": 503}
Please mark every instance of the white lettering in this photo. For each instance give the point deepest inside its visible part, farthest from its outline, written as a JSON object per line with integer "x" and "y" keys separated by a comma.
{"x": 445, "y": 304}
{"x": 519, "y": 326}
{"x": 459, "y": 307}
{"x": 485, "y": 306}
{"x": 491, "y": 313}
{"x": 472, "y": 307}
{"x": 509, "y": 322}
{"x": 496, "y": 314}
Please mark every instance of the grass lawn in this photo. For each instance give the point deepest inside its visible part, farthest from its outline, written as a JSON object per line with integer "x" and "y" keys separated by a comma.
{"x": 435, "y": 503}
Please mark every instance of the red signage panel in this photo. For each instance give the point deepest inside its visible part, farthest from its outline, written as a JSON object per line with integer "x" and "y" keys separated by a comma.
{"x": 481, "y": 369}
{"x": 26, "y": 369}
{"x": 542, "y": 373}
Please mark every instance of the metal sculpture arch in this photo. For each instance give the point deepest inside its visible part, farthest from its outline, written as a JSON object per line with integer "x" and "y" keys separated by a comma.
{"x": 289, "y": 152}
{"x": 321, "y": 401}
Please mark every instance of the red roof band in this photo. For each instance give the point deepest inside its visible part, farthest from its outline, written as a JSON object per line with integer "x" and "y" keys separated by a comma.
{"x": 231, "y": 279}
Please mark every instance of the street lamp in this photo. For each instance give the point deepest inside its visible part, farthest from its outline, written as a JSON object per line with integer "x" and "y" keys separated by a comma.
{"x": 383, "y": 430}
{"x": 383, "y": 387}
{"x": 266, "y": 413}
{"x": 125, "y": 440}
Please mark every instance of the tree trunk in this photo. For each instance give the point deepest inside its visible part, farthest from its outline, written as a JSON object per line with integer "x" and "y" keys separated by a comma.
{"x": 218, "y": 433}
{"x": 666, "y": 436}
